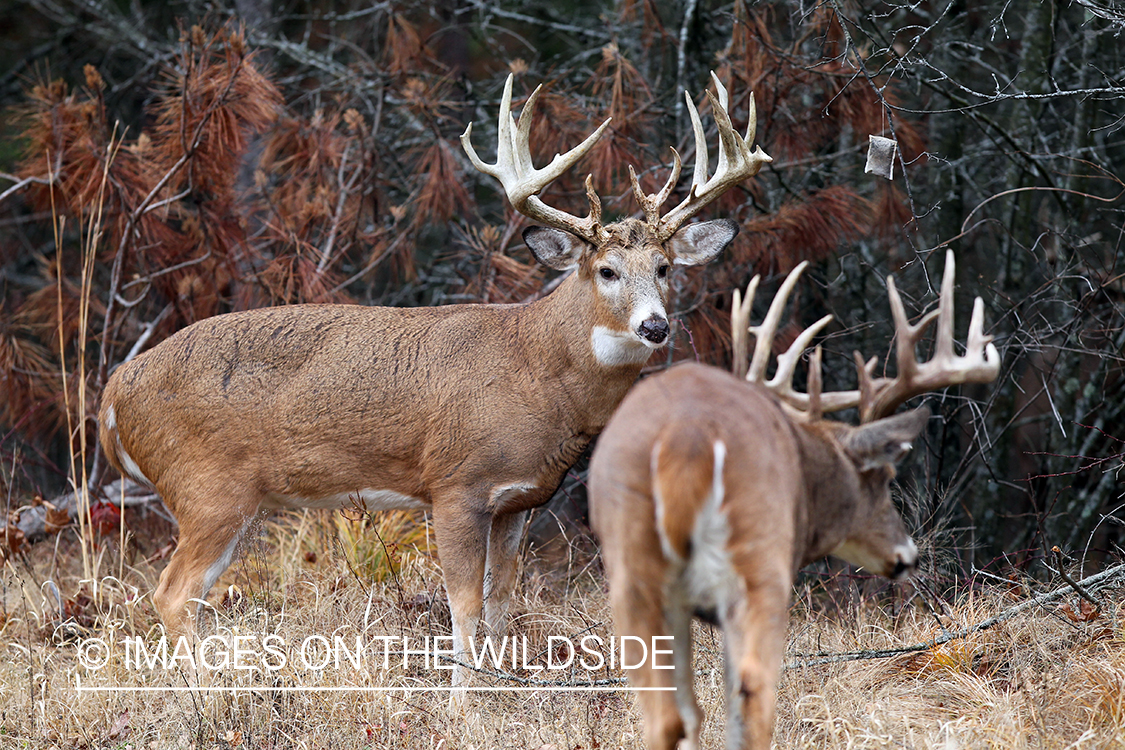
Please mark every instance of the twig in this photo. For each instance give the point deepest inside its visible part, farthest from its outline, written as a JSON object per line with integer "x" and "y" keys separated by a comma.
{"x": 341, "y": 200}
{"x": 493, "y": 9}
{"x": 1071, "y": 582}
{"x": 146, "y": 333}
{"x": 20, "y": 183}
{"x": 1101, "y": 579}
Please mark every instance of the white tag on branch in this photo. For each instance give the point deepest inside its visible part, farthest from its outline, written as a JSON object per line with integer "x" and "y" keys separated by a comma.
{"x": 881, "y": 156}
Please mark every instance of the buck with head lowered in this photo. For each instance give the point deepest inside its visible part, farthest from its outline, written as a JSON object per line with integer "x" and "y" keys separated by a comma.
{"x": 709, "y": 492}
{"x": 473, "y": 412}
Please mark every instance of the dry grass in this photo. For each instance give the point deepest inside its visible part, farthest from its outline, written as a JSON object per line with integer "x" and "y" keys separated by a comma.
{"x": 1036, "y": 681}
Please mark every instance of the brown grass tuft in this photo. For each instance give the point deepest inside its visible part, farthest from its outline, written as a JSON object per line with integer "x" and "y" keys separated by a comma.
{"x": 1031, "y": 682}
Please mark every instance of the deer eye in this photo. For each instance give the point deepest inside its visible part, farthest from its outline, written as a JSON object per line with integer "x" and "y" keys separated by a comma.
{"x": 662, "y": 272}
{"x": 608, "y": 274}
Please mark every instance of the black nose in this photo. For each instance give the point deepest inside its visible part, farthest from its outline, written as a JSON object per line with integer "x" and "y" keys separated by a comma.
{"x": 654, "y": 329}
{"x": 902, "y": 570}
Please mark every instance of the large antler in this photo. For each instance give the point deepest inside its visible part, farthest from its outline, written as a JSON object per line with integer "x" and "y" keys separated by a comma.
{"x": 736, "y": 163}
{"x": 979, "y": 364}
{"x": 876, "y": 397}
{"x": 522, "y": 181}
{"x": 804, "y": 405}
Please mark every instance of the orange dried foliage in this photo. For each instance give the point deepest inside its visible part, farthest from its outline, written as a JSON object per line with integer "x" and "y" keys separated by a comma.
{"x": 646, "y": 15}
{"x": 810, "y": 229}
{"x": 441, "y": 194}
{"x": 215, "y": 100}
{"x": 629, "y": 99}
{"x": 1087, "y": 612}
{"x": 12, "y": 541}
{"x": 405, "y": 52}
{"x": 839, "y": 98}
{"x": 28, "y": 376}
{"x": 194, "y": 150}
{"x": 502, "y": 278}
{"x": 56, "y": 519}
{"x": 68, "y": 138}
{"x": 290, "y": 279}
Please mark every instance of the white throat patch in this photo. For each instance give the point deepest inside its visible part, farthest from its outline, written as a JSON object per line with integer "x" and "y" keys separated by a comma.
{"x": 613, "y": 348}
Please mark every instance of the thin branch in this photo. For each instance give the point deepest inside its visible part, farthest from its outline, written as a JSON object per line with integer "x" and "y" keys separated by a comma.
{"x": 20, "y": 183}
{"x": 1105, "y": 578}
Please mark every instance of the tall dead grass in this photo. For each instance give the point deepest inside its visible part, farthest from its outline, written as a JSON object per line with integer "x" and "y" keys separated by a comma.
{"x": 1036, "y": 681}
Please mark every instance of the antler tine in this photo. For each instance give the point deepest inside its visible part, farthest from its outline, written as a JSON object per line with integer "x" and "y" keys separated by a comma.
{"x": 782, "y": 382}
{"x": 979, "y": 364}
{"x": 702, "y": 158}
{"x": 740, "y": 326}
{"x": 521, "y": 180}
{"x": 764, "y": 333}
{"x": 737, "y": 161}
{"x": 651, "y": 204}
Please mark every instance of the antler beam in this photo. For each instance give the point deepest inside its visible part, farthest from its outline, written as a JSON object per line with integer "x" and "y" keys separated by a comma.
{"x": 522, "y": 182}
{"x": 876, "y": 397}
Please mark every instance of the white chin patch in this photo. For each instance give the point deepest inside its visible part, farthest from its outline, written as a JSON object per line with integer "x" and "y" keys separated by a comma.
{"x": 861, "y": 557}
{"x": 613, "y": 348}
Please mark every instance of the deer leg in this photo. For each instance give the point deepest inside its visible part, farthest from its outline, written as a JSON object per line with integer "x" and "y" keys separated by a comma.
{"x": 679, "y": 620}
{"x": 205, "y": 549}
{"x": 500, "y": 569}
{"x": 755, "y": 642}
{"x": 637, "y": 613}
{"x": 462, "y": 537}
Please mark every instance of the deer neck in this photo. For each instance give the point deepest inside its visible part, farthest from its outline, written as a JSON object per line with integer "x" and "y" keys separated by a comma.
{"x": 561, "y": 331}
{"x": 831, "y": 490}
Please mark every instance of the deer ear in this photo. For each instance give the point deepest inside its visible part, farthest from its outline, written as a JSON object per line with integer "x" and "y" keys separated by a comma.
{"x": 699, "y": 243}
{"x": 884, "y": 442}
{"x": 554, "y": 248}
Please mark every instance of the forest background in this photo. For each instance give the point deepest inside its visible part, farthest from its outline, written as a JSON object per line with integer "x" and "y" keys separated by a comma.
{"x": 262, "y": 153}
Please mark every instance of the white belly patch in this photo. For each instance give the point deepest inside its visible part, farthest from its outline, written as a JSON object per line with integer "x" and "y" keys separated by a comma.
{"x": 368, "y": 499}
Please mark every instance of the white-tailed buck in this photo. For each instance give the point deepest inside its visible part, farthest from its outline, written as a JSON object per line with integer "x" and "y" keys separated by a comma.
{"x": 473, "y": 412}
{"x": 709, "y": 493}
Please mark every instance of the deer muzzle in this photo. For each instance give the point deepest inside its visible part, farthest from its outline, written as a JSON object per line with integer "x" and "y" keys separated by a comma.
{"x": 906, "y": 560}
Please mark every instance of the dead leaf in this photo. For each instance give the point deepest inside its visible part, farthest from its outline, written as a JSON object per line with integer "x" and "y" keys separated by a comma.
{"x": 120, "y": 727}
{"x": 1087, "y": 612}
{"x": 105, "y": 518}
{"x": 56, "y": 519}
{"x": 12, "y": 541}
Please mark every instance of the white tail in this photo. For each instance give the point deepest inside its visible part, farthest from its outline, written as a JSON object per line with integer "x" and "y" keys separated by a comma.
{"x": 474, "y": 412}
{"x": 709, "y": 493}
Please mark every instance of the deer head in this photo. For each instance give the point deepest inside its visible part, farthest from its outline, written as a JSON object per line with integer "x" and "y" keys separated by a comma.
{"x": 628, "y": 261}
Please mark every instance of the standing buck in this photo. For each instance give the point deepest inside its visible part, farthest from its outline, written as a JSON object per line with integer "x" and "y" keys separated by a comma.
{"x": 710, "y": 493}
{"x": 474, "y": 412}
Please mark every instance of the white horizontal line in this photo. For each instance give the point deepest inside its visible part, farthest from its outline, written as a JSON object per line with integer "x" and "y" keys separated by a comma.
{"x": 355, "y": 689}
